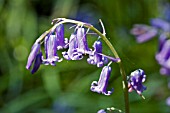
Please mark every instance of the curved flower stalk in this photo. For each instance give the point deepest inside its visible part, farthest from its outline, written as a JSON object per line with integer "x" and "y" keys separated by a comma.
{"x": 135, "y": 81}
{"x": 77, "y": 48}
{"x": 101, "y": 85}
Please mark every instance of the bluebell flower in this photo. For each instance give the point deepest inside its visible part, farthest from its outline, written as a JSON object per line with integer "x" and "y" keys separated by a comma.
{"x": 143, "y": 33}
{"x": 51, "y": 50}
{"x": 135, "y": 81}
{"x": 101, "y": 111}
{"x": 101, "y": 85}
{"x": 72, "y": 53}
{"x": 37, "y": 63}
{"x": 160, "y": 23}
{"x": 35, "y": 57}
{"x": 77, "y": 45}
{"x": 82, "y": 41}
{"x": 95, "y": 58}
{"x": 62, "y": 42}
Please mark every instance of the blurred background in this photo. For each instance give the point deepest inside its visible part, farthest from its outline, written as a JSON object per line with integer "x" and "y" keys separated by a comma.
{"x": 65, "y": 88}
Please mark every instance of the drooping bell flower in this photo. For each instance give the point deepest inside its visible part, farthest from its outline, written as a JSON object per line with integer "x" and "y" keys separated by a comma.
{"x": 143, "y": 33}
{"x": 95, "y": 58}
{"x": 62, "y": 42}
{"x": 34, "y": 58}
{"x": 135, "y": 81}
{"x": 162, "y": 24}
{"x": 101, "y": 85}
{"x": 37, "y": 62}
{"x": 50, "y": 45}
{"x": 82, "y": 41}
{"x": 72, "y": 53}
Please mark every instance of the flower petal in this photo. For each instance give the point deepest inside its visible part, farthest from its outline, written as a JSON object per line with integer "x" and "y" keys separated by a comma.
{"x": 101, "y": 85}
{"x": 37, "y": 63}
{"x": 34, "y": 51}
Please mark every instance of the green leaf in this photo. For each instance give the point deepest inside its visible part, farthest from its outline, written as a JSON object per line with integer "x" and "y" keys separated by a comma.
{"x": 24, "y": 101}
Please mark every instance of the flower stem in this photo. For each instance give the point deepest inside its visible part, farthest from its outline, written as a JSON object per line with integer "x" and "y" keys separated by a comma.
{"x": 125, "y": 88}
{"x": 122, "y": 71}
{"x": 90, "y": 27}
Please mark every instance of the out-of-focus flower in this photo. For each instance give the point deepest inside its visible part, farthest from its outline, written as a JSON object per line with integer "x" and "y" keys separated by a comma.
{"x": 101, "y": 85}
{"x": 61, "y": 106}
{"x": 72, "y": 53}
{"x": 61, "y": 41}
{"x": 135, "y": 81}
{"x": 162, "y": 39}
{"x": 168, "y": 101}
{"x": 166, "y": 13}
{"x": 160, "y": 23}
{"x": 35, "y": 57}
{"x": 163, "y": 56}
{"x": 94, "y": 57}
{"x": 164, "y": 51}
{"x": 51, "y": 50}
{"x": 165, "y": 71}
{"x": 143, "y": 33}
{"x": 101, "y": 111}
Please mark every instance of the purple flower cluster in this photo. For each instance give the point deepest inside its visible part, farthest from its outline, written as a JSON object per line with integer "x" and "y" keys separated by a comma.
{"x": 135, "y": 81}
{"x": 160, "y": 28}
{"x": 73, "y": 48}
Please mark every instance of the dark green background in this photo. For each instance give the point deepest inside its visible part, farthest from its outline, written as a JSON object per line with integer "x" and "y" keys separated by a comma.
{"x": 66, "y": 87}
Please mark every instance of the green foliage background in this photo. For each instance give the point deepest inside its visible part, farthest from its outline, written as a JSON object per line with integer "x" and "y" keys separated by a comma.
{"x": 66, "y": 87}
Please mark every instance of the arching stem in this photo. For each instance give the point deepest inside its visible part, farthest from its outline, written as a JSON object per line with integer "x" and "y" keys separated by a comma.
{"x": 89, "y": 26}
